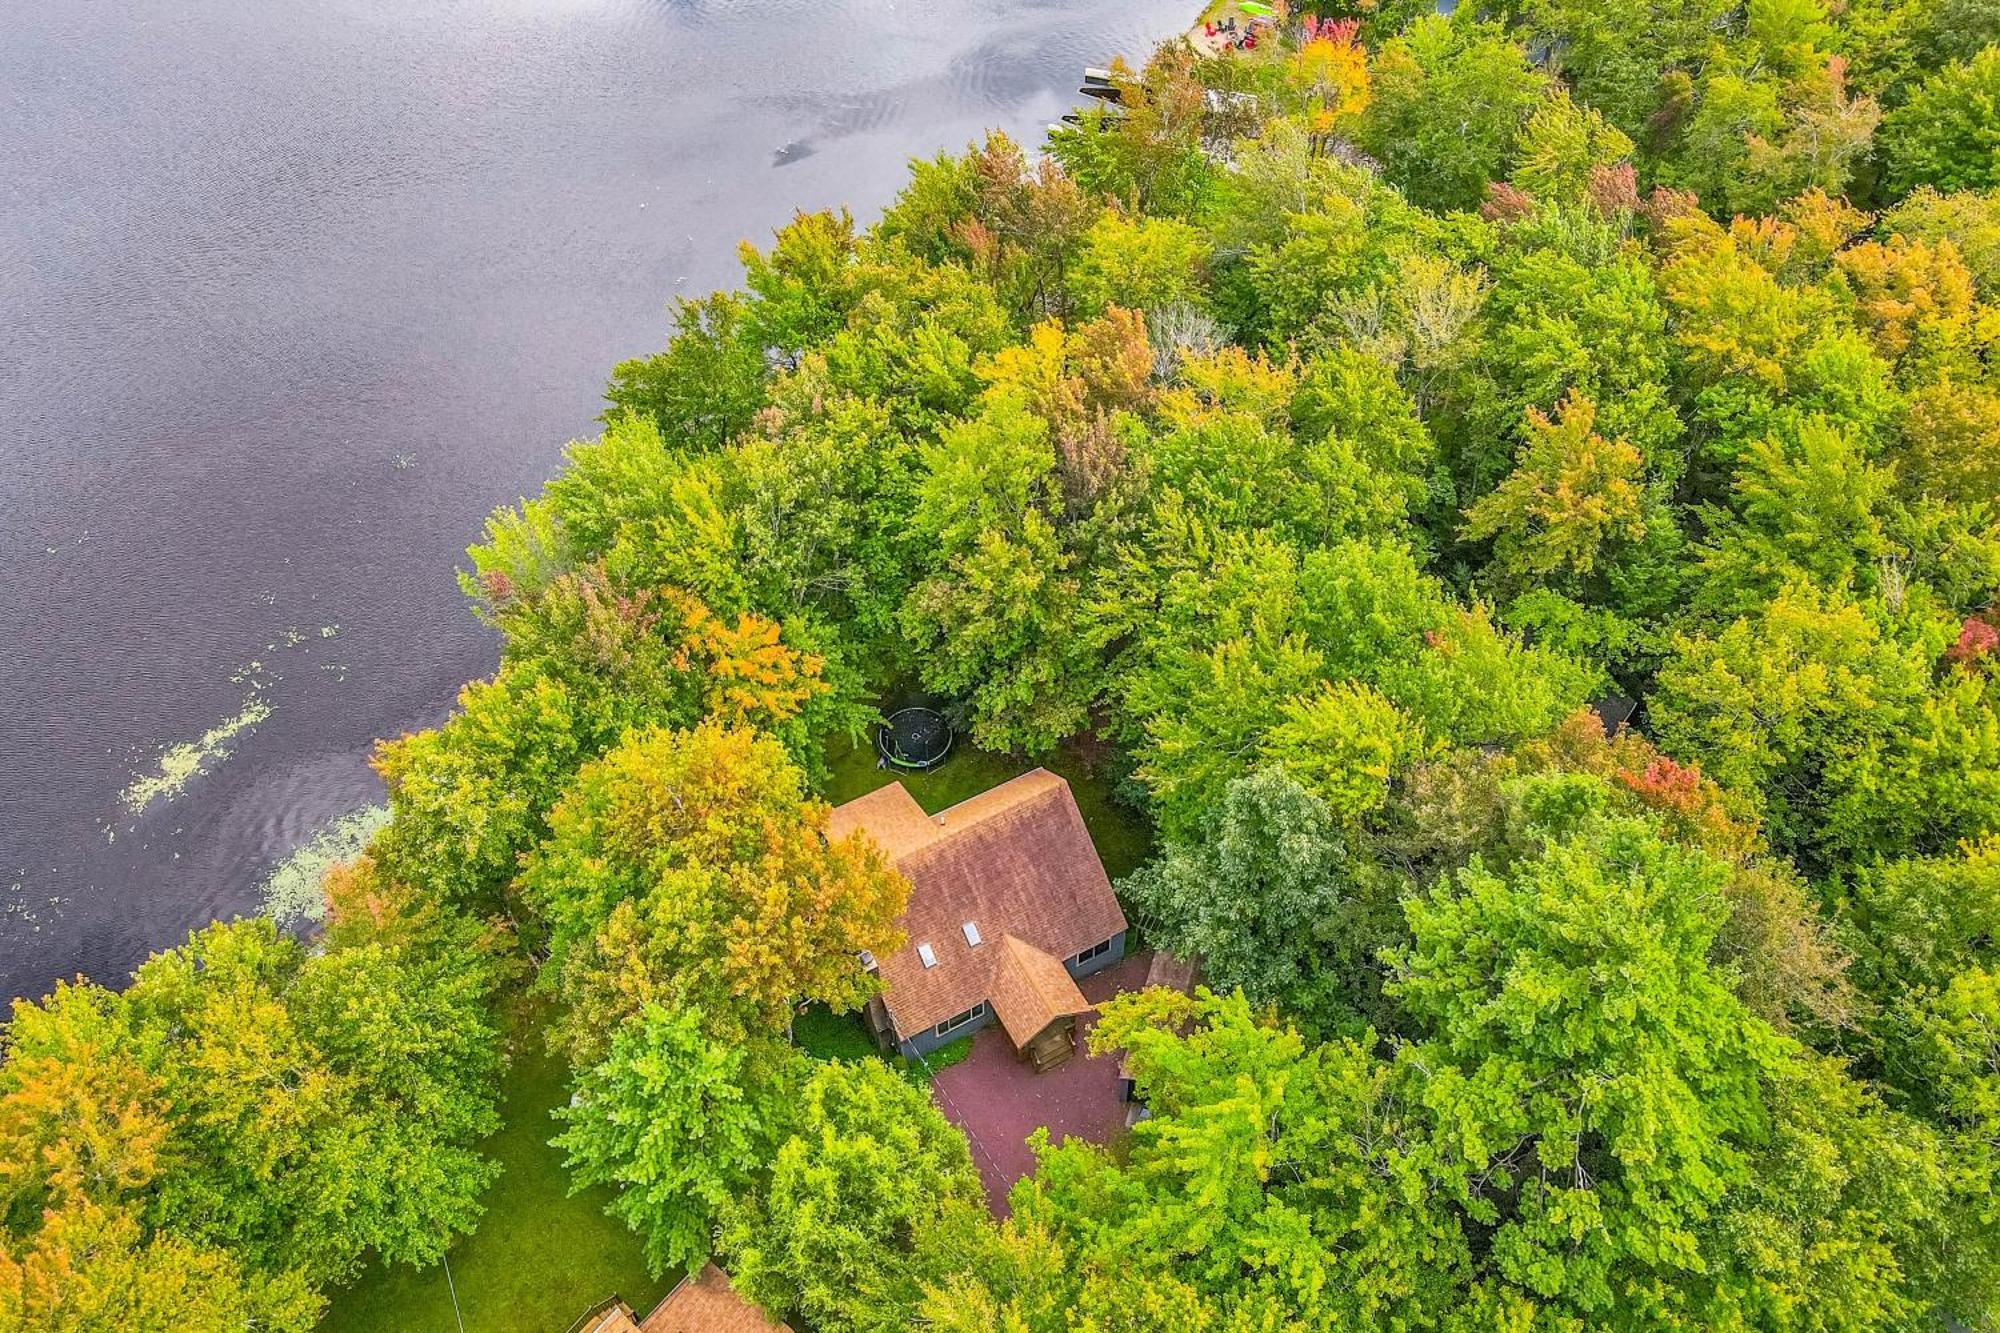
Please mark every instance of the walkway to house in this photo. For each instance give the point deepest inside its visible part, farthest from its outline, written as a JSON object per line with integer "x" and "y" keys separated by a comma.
{"x": 998, "y": 1100}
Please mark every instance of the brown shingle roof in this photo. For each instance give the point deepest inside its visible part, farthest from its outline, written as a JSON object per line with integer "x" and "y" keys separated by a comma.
{"x": 891, "y": 816}
{"x": 1015, "y": 860}
{"x": 707, "y": 1303}
{"x": 1031, "y": 990}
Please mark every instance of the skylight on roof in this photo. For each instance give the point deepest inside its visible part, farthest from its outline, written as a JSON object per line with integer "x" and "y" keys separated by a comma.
{"x": 971, "y": 934}
{"x": 868, "y": 960}
{"x": 924, "y": 952}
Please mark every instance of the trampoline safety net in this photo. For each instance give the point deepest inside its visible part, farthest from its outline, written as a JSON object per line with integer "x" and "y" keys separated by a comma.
{"x": 916, "y": 738}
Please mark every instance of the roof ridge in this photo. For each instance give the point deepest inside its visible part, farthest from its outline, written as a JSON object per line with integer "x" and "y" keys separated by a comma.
{"x": 1016, "y": 793}
{"x": 1035, "y": 975}
{"x": 1037, "y": 979}
{"x": 1015, "y": 860}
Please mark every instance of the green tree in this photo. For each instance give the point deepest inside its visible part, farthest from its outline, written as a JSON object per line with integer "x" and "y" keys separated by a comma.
{"x": 1952, "y": 439}
{"x": 688, "y": 868}
{"x": 584, "y": 661}
{"x": 993, "y": 627}
{"x": 804, "y": 288}
{"x": 629, "y": 478}
{"x": 1961, "y": 1030}
{"x": 1806, "y": 507}
{"x": 703, "y": 390}
{"x": 680, "y": 1124}
{"x": 1150, "y": 152}
{"x": 1572, "y": 313}
{"x": 468, "y": 797}
{"x": 1741, "y": 333}
{"x": 91, "y": 1269}
{"x": 1606, "y": 1095}
{"x": 1948, "y": 134}
{"x": 1140, "y": 263}
{"x": 1451, "y": 97}
{"x": 81, "y": 1106}
{"x": 1219, "y": 665}
{"x": 1562, "y": 146}
{"x": 1272, "y": 1186}
{"x": 248, "y": 1122}
{"x": 990, "y": 622}
{"x": 1829, "y": 723}
{"x": 1344, "y": 743}
{"x": 1618, "y": 56}
{"x": 1969, "y": 220}
{"x": 1274, "y": 898}
{"x": 1921, "y": 921}
{"x": 322, "y": 1108}
{"x": 869, "y": 1167}
{"x": 1354, "y": 398}
{"x": 1573, "y": 498}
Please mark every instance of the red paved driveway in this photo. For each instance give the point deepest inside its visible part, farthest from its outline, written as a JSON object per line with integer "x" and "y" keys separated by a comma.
{"x": 998, "y": 1100}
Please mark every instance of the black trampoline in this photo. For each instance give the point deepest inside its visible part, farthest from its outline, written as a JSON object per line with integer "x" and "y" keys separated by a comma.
{"x": 914, "y": 738}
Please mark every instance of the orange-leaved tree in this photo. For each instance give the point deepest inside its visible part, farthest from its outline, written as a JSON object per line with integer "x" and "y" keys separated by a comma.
{"x": 690, "y": 869}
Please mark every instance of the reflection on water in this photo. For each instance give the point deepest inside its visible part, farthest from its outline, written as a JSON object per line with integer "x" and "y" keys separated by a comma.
{"x": 297, "y": 292}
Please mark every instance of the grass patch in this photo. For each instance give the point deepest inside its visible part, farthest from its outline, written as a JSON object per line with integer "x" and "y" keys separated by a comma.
{"x": 539, "y": 1258}
{"x": 825, "y": 1035}
{"x": 943, "y": 1058}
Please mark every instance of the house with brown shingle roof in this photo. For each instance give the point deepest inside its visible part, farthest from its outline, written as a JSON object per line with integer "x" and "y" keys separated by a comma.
{"x": 1009, "y": 905}
{"x": 704, "y": 1303}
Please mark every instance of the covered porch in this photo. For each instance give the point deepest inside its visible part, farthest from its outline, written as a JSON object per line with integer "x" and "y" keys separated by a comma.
{"x": 1038, "y": 1003}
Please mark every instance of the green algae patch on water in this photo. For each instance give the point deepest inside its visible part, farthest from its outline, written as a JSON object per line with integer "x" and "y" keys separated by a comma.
{"x": 179, "y": 765}
{"x": 292, "y": 894}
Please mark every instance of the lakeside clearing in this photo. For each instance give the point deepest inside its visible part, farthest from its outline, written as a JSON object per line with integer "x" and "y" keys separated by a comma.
{"x": 540, "y": 1256}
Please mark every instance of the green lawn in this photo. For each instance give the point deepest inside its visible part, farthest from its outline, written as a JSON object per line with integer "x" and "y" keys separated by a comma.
{"x": 539, "y": 1258}
{"x": 825, "y": 1035}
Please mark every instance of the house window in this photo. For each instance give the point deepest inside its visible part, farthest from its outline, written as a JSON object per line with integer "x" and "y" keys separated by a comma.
{"x": 1097, "y": 950}
{"x": 957, "y": 1021}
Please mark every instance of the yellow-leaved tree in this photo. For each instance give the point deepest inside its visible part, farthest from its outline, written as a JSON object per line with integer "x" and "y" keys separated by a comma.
{"x": 690, "y": 869}
{"x": 1331, "y": 72}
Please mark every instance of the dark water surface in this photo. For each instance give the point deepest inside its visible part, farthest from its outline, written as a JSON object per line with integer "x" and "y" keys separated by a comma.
{"x": 295, "y": 291}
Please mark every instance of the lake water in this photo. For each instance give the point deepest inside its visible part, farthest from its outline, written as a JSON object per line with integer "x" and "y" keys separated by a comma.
{"x": 296, "y": 291}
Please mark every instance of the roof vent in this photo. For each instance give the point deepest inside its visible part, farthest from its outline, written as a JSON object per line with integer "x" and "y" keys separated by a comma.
{"x": 971, "y": 934}
{"x": 924, "y": 952}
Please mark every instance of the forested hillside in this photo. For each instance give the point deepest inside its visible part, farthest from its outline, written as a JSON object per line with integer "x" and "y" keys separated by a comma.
{"x": 1311, "y": 440}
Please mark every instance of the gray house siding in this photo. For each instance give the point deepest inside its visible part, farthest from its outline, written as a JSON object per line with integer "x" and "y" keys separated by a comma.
{"x": 928, "y": 1040}
{"x": 1102, "y": 961}
{"x": 923, "y": 1043}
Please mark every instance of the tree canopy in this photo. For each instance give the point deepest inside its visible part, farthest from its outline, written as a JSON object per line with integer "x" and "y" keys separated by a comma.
{"x": 1510, "y": 500}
